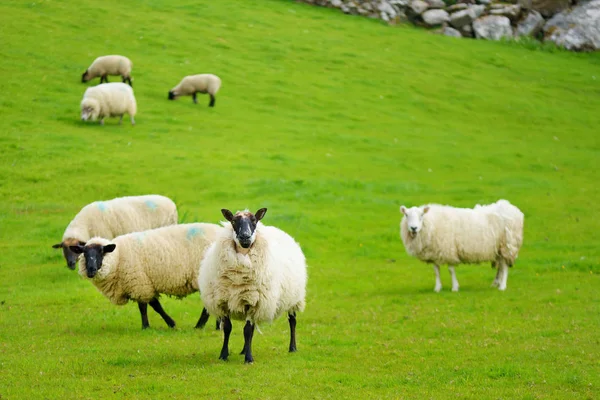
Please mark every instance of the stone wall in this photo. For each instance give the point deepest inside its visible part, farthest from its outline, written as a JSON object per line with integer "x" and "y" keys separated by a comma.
{"x": 574, "y": 26}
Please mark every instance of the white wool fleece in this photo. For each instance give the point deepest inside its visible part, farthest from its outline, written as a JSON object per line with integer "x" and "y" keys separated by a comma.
{"x": 111, "y": 218}
{"x": 258, "y": 286}
{"x": 148, "y": 263}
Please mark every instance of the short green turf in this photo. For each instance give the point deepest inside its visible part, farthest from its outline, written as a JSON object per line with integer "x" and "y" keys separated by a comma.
{"x": 332, "y": 122}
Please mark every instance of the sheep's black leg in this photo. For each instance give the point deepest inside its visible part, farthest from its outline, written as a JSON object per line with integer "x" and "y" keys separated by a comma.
{"x": 226, "y": 332}
{"x": 158, "y": 308}
{"x": 292, "y": 320}
{"x": 194, "y": 97}
{"x": 203, "y": 319}
{"x": 218, "y": 327}
{"x": 129, "y": 81}
{"x": 212, "y": 101}
{"x": 248, "y": 334}
{"x": 144, "y": 311}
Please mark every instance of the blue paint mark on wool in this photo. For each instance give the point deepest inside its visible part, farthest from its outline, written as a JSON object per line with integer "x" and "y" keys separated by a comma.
{"x": 193, "y": 232}
{"x": 140, "y": 236}
{"x": 151, "y": 205}
{"x": 101, "y": 206}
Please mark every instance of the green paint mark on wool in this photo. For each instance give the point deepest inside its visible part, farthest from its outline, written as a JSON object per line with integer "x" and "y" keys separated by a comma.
{"x": 193, "y": 232}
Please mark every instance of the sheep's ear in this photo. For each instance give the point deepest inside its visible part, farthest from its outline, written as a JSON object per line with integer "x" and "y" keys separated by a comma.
{"x": 260, "y": 214}
{"x": 76, "y": 249}
{"x": 227, "y": 214}
{"x": 403, "y": 210}
{"x": 57, "y": 245}
{"x": 109, "y": 248}
{"x": 81, "y": 243}
{"x": 425, "y": 209}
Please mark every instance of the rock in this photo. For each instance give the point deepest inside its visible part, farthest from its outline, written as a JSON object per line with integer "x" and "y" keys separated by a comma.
{"x": 418, "y": 6}
{"x": 467, "y": 31}
{"x": 399, "y": 3}
{"x": 336, "y": 3}
{"x": 436, "y": 3}
{"x": 435, "y": 17}
{"x": 484, "y": 2}
{"x": 457, "y": 7}
{"x": 577, "y": 29}
{"x": 493, "y": 27}
{"x": 448, "y": 31}
{"x": 545, "y": 7}
{"x": 512, "y": 12}
{"x": 476, "y": 11}
{"x": 385, "y": 7}
{"x": 531, "y": 25}
{"x": 461, "y": 18}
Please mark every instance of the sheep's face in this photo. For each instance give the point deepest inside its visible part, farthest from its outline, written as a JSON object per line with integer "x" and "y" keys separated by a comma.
{"x": 414, "y": 218}
{"x": 84, "y": 77}
{"x": 93, "y": 254}
{"x": 89, "y": 111}
{"x": 172, "y": 95}
{"x": 244, "y": 225}
{"x": 70, "y": 256}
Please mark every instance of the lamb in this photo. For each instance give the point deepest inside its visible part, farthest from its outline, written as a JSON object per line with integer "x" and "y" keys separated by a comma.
{"x": 446, "y": 235}
{"x": 109, "y": 65}
{"x": 142, "y": 265}
{"x": 108, "y": 100}
{"x": 193, "y": 84}
{"x": 111, "y": 218}
{"x": 255, "y": 273}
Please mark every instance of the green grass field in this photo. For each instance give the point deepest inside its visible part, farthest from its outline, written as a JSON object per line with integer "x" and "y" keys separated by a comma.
{"x": 332, "y": 122}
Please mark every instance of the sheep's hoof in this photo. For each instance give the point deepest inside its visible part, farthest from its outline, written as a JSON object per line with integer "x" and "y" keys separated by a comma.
{"x": 249, "y": 360}
{"x": 437, "y": 289}
{"x": 455, "y": 289}
{"x": 502, "y": 288}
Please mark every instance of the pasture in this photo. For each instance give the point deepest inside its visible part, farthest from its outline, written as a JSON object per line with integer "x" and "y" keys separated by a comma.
{"x": 331, "y": 122}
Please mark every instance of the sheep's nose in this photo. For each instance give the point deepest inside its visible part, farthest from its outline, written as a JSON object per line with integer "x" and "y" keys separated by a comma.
{"x": 413, "y": 228}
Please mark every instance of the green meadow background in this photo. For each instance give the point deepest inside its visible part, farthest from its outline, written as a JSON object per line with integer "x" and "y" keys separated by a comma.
{"x": 331, "y": 122}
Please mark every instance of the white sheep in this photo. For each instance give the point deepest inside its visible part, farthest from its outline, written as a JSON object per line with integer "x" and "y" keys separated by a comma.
{"x": 142, "y": 265}
{"x": 108, "y": 100}
{"x": 446, "y": 235}
{"x": 193, "y": 84}
{"x": 254, "y": 273}
{"x": 111, "y": 218}
{"x": 109, "y": 65}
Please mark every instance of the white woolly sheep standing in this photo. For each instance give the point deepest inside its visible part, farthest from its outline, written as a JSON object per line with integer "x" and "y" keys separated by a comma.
{"x": 108, "y": 100}
{"x": 111, "y": 218}
{"x": 140, "y": 266}
{"x": 254, "y": 273}
{"x": 447, "y": 235}
{"x": 109, "y": 65}
{"x": 193, "y": 84}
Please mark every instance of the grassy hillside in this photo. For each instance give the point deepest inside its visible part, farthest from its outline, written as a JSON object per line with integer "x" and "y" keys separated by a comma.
{"x": 332, "y": 122}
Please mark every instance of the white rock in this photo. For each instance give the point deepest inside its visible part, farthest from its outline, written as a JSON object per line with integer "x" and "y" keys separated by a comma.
{"x": 435, "y": 17}
{"x": 493, "y": 27}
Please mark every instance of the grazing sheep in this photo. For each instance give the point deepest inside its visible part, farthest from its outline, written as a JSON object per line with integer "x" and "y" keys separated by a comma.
{"x": 254, "y": 273}
{"x": 111, "y": 218}
{"x": 193, "y": 84}
{"x": 447, "y": 235}
{"x": 108, "y": 100}
{"x": 109, "y": 65}
{"x": 140, "y": 266}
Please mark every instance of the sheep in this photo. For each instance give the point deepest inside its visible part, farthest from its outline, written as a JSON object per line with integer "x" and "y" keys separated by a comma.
{"x": 108, "y": 100}
{"x": 446, "y": 235}
{"x": 111, "y": 218}
{"x": 193, "y": 84}
{"x": 255, "y": 273}
{"x": 140, "y": 266}
{"x": 109, "y": 65}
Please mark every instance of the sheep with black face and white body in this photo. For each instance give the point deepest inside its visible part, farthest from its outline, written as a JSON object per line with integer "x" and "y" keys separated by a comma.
{"x": 252, "y": 273}
{"x": 191, "y": 85}
{"x": 109, "y": 65}
{"x": 447, "y": 235}
{"x": 115, "y": 217}
{"x": 141, "y": 266}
